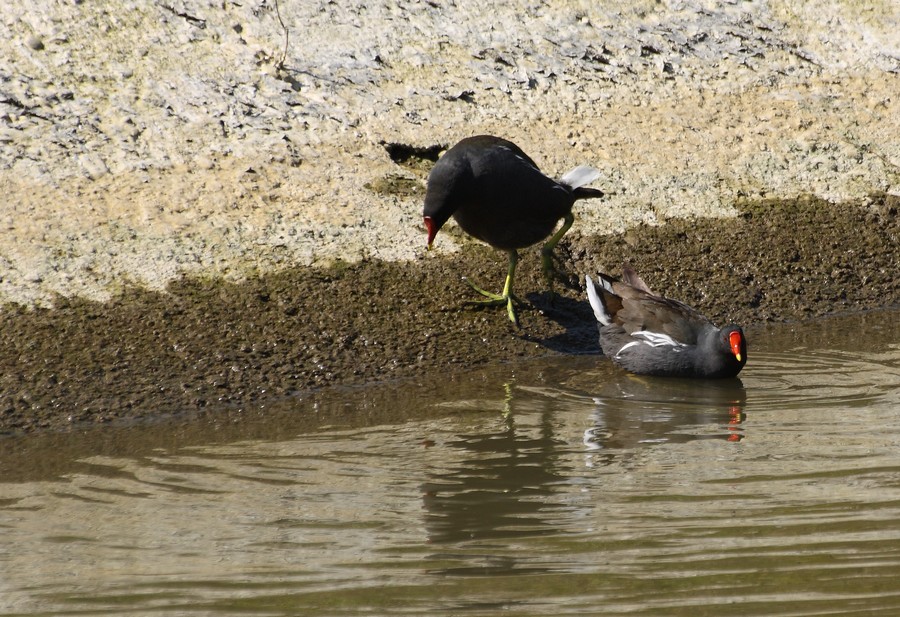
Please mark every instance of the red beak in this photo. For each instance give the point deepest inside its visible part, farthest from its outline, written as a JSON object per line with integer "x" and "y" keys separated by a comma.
{"x": 432, "y": 228}
{"x": 735, "y": 339}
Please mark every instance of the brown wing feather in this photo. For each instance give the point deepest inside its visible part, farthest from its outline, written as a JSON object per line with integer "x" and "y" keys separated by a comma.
{"x": 631, "y": 277}
{"x": 642, "y": 310}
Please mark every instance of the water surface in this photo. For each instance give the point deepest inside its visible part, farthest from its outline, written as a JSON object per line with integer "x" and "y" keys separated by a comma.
{"x": 555, "y": 487}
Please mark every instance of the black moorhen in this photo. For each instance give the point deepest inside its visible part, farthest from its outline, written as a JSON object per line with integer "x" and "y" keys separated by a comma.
{"x": 497, "y": 194}
{"x": 651, "y": 335}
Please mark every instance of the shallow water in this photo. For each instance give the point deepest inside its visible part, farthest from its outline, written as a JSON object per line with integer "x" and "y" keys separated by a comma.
{"x": 548, "y": 488}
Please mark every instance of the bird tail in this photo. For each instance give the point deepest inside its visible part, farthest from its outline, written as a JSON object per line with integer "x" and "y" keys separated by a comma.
{"x": 586, "y": 193}
{"x": 578, "y": 177}
{"x": 596, "y": 301}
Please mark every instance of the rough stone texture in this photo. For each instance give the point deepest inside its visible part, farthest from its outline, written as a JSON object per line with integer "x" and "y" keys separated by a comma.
{"x": 144, "y": 140}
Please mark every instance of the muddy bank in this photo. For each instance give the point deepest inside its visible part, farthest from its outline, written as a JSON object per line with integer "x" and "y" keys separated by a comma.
{"x": 208, "y": 345}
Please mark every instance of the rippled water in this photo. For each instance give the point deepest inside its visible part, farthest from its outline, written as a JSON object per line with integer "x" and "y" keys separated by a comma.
{"x": 547, "y": 488}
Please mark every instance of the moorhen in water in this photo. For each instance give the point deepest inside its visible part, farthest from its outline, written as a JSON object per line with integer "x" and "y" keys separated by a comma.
{"x": 651, "y": 335}
{"x": 497, "y": 194}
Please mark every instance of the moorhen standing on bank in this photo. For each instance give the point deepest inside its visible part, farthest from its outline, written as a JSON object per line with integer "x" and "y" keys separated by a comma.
{"x": 651, "y": 335}
{"x": 497, "y": 194}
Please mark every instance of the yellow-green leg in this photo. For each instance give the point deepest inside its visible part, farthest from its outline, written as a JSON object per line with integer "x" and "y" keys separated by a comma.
{"x": 507, "y": 297}
{"x": 547, "y": 250}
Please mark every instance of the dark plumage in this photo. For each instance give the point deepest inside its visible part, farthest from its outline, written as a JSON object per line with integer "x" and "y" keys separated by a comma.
{"x": 651, "y": 335}
{"x": 497, "y": 194}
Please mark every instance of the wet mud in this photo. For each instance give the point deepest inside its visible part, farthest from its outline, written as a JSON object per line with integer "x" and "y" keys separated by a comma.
{"x": 208, "y": 346}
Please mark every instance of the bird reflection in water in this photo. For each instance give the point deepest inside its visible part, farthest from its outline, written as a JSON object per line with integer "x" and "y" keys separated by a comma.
{"x": 636, "y": 411}
{"x": 508, "y": 479}
{"x": 502, "y": 484}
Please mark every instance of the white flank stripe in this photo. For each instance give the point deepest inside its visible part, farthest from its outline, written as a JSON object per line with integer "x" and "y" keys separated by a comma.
{"x": 529, "y": 164}
{"x": 657, "y": 339}
{"x": 624, "y": 347}
{"x": 518, "y": 156}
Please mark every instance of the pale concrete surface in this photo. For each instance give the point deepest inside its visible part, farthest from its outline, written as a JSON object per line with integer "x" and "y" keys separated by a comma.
{"x": 140, "y": 141}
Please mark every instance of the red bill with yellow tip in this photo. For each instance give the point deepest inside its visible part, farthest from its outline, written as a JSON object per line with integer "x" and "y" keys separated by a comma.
{"x": 736, "y": 340}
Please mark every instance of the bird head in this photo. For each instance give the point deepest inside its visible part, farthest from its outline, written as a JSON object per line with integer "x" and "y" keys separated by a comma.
{"x": 737, "y": 343}
{"x": 437, "y": 211}
{"x": 432, "y": 227}
{"x": 448, "y": 186}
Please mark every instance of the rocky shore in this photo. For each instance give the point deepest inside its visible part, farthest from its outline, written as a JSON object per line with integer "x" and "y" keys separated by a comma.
{"x": 213, "y": 205}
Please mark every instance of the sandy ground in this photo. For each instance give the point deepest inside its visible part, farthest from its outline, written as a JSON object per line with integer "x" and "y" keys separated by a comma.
{"x": 203, "y": 208}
